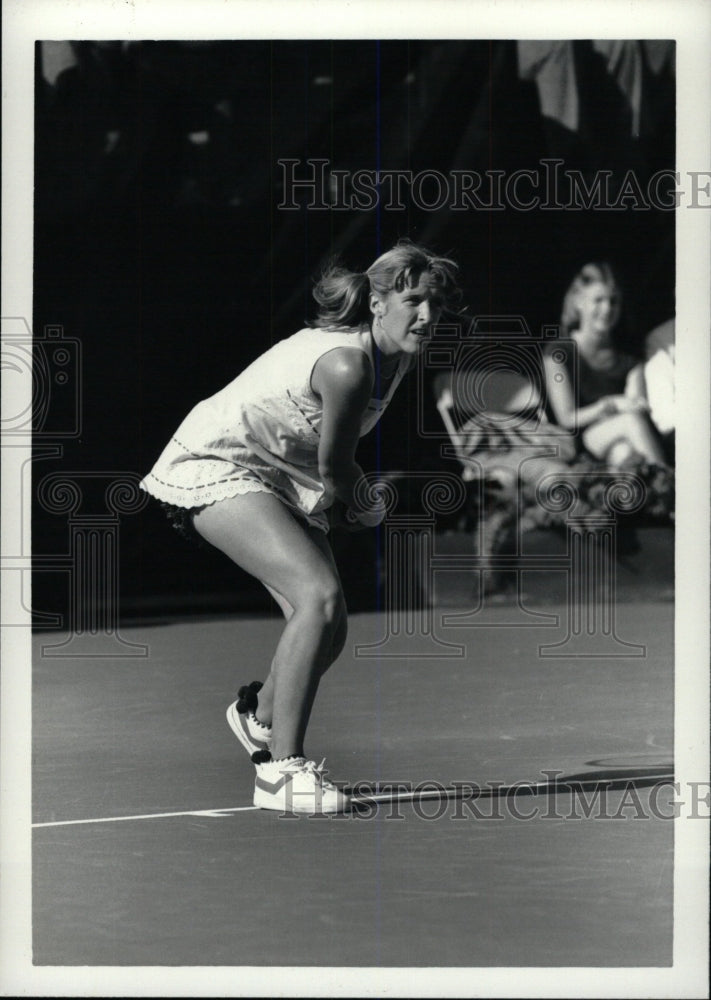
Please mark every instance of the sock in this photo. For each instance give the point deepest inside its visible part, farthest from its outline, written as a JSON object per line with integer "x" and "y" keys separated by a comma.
{"x": 262, "y": 725}
{"x": 264, "y": 757}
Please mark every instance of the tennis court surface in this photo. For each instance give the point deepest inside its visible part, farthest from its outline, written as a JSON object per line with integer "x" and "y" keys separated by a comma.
{"x": 147, "y": 850}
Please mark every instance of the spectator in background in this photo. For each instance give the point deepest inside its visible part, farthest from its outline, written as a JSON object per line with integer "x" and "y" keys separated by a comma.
{"x": 586, "y": 378}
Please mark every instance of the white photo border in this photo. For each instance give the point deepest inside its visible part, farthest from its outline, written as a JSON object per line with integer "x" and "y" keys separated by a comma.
{"x": 688, "y": 22}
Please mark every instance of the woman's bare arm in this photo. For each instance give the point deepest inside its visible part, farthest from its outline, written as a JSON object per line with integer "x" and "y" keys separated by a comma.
{"x": 343, "y": 379}
{"x": 563, "y": 403}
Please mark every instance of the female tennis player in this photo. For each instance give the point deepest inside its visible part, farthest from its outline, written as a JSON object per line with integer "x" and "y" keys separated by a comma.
{"x": 254, "y": 468}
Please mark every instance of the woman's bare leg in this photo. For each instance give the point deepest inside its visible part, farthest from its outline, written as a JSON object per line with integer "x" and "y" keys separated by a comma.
{"x": 266, "y": 695}
{"x": 633, "y": 428}
{"x": 261, "y": 536}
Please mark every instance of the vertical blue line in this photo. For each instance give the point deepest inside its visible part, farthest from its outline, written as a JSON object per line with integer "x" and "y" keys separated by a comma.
{"x": 378, "y": 531}
{"x": 378, "y": 251}
{"x": 377, "y": 145}
{"x": 307, "y": 270}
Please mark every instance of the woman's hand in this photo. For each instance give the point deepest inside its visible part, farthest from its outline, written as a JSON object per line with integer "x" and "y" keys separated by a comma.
{"x": 613, "y": 405}
{"x": 339, "y": 520}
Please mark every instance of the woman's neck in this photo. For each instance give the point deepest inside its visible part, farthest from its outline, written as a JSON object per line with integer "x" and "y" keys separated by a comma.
{"x": 384, "y": 360}
{"x": 593, "y": 338}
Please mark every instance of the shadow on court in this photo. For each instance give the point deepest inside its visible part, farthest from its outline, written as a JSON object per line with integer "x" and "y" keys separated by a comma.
{"x": 516, "y": 807}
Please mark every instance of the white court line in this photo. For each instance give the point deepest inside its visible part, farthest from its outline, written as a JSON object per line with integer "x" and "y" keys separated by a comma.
{"x": 385, "y": 798}
{"x": 124, "y": 819}
{"x": 375, "y": 798}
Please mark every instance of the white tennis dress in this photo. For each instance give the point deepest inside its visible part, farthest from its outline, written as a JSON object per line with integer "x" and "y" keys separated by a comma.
{"x": 261, "y": 432}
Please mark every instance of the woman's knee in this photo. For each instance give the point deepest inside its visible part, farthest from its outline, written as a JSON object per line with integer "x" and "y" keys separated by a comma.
{"x": 336, "y": 643}
{"x": 620, "y": 451}
{"x": 324, "y": 600}
{"x": 613, "y": 435}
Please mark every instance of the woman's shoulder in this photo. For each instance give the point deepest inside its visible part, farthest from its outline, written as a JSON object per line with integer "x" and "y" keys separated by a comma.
{"x": 345, "y": 363}
{"x": 342, "y": 374}
{"x": 329, "y": 340}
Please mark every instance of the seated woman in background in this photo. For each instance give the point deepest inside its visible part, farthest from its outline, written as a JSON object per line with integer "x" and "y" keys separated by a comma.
{"x": 589, "y": 398}
{"x": 594, "y": 394}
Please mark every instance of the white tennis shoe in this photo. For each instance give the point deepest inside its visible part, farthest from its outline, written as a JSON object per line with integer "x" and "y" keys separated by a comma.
{"x": 297, "y": 785}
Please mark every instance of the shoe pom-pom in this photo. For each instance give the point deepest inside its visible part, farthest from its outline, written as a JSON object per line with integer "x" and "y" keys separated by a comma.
{"x": 247, "y": 697}
{"x": 261, "y": 757}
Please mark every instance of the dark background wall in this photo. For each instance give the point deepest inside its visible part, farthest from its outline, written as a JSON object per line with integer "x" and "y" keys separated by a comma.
{"x": 160, "y": 247}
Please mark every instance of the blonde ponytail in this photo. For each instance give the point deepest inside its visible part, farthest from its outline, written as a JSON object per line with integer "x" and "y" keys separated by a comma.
{"x": 343, "y": 295}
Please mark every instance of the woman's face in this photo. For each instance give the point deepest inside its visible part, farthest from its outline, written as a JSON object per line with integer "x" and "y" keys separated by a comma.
{"x": 598, "y": 307}
{"x": 404, "y": 320}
